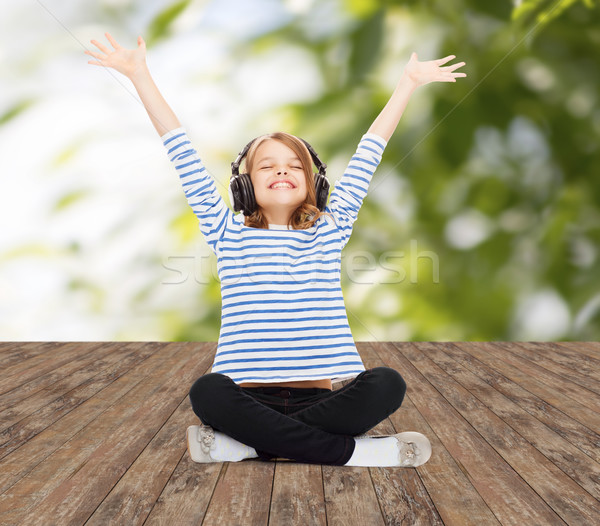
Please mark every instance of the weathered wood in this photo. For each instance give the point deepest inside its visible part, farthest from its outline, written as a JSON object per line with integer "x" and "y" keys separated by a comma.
{"x": 22, "y": 389}
{"x": 25, "y": 370}
{"x": 563, "y": 425}
{"x": 39, "y": 410}
{"x": 187, "y": 495}
{"x": 507, "y": 495}
{"x": 582, "y": 371}
{"x": 94, "y": 433}
{"x": 579, "y": 466}
{"x": 557, "y": 398}
{"x": 533, "y": 463}
{"x": 463, "y": 506}
{"x": 400, "y": 492}
{"x": 242, "y": 494}
{"x": 556, "y": 381}
{"x": 574, "y": 358}
{"x": 350, "y": 499}
{"x": 51, "y": 436}
{"x": 591, "y": 349}
{"x": 134, "y": 496}
{"x": 558, "y": 490}
{"x": 16, "y": 352}
{"x": 298, "y": 496}
{"x": 84, "y": 461}
{"x": 85, "y": 488}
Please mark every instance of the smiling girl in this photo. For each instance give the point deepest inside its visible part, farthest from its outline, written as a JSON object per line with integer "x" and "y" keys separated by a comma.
{"x": 284, "y": 337}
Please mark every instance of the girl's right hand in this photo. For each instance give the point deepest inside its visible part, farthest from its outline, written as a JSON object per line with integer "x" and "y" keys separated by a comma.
{"x": 125, "y": 61}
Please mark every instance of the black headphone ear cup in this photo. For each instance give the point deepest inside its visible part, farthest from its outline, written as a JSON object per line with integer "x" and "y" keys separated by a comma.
{"x": 247, "y": 199}
{"x": 234, "y": 193}
{"x": 322, "y": 191}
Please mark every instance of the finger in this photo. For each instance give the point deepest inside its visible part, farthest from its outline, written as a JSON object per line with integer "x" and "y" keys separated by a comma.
{"x": 94, "y": 54}
{"x": 112, "y": 41}
{"x": 454, "y": 66}
{"x": 447, "y": 78}
{"x": 441, "y": 61}
{"x": 100, "y": 46}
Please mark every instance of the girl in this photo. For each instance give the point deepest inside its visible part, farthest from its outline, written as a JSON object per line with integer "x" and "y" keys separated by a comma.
{"x": 284, "y": 334}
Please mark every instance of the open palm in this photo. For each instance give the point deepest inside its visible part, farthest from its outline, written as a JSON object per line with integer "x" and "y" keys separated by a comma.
{"x": 125, "y": 61}
{"x": 421, "y": 73}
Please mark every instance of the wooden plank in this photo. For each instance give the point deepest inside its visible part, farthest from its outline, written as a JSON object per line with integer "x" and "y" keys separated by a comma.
{"x": 563, "y": 425}
{"x": 579, "y": 371}
{"x": 15, "y": 352}
{"x": 128, "y": 435}
{"x": 569, "y": 357}
{"x": 215, "y": 493}
{"x": 297, "y": 496}
{"x": 553, "y": 397}
{"x": 572, "y": 461}
{"x": 39, "y": 411}
{"x": 58, "y": 393}
{"x": 186, "y": 496}
{"x": 556, "y": 381}
{"x": 348, "y": 499}
{"x": 24, "y": 459}
{"x": 96, "y": 445}
{"x": 134, "y": 496}
{"x": 511, "y": 500}
{"x": 26, "y": 370}
{"x": 455, "y": 499}
{"x": 573, "y": 504}
{"x": 242, "y": 494}
{"x": 187, "y": 493}
{"x": 591, "y": 349}
{"x": 85, "y": 489}
{"x": 401, "y": 493}
{"x": 24, "y": 389}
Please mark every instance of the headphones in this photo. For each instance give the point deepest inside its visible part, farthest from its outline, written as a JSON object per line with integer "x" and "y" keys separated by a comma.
{"x": 241, "y": 191}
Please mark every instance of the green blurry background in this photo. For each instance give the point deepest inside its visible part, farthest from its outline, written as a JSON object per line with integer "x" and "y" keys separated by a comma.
{"x": 482, "y": 221}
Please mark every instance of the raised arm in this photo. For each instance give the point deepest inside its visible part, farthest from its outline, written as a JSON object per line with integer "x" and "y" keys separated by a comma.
{"x": 132, "y": 64}
{"x": 415, "y": 74}
{"x": 199, "y": 186}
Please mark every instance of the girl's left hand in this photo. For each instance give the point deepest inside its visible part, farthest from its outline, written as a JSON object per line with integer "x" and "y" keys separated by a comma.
{"x": 420, "y": 73}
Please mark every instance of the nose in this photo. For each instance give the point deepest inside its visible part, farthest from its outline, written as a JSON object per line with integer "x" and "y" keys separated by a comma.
{"x": 280, "y": 171}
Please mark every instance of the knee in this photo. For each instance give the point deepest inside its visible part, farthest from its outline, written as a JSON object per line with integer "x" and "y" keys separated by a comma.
{"x": 392, "y": 385}
{"x": 206, "y": 392}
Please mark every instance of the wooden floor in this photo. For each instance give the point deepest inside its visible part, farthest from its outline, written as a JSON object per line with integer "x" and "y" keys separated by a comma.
{"x": 94, "y": 433}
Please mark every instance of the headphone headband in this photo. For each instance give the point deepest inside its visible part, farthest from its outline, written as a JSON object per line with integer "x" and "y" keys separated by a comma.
{"x": 235, "y": 165}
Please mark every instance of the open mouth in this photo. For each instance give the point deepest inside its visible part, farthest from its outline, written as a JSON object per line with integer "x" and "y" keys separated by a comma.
{"x": 282, "y": 185}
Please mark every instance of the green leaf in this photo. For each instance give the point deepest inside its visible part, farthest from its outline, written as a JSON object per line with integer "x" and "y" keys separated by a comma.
{"x": 69, "y": 199}
{"x": 159, "y": 27}
{"x": 15, "y": 110}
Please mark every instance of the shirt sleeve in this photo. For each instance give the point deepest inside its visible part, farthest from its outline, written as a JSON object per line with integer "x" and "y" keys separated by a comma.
{"x": 349, "y": 192}
{"x": 198, "y": 185}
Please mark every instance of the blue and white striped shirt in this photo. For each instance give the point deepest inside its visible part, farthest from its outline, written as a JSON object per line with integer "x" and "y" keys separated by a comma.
{"x": 283, "y": 316}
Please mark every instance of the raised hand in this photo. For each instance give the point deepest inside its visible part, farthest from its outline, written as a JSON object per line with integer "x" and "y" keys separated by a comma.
{"x": 125, "y": 61}
{"x": 420, "y": 73}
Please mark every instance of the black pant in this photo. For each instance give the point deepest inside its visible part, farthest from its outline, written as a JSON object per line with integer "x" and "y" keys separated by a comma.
{"x": 309, "y": 425}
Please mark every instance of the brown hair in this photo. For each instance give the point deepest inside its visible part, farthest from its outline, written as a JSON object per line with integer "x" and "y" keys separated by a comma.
{"x": 307, "y": 213}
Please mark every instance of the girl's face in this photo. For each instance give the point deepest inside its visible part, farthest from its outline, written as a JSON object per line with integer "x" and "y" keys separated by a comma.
{"x": 279, "y": 181}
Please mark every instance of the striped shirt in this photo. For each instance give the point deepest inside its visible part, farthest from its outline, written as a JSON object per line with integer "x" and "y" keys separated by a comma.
{"x": 283, "y": 316}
